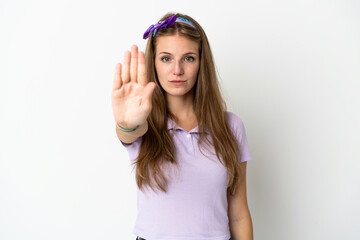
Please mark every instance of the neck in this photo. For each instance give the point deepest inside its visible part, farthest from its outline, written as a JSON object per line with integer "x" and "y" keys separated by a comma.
{"x": 182, "y": 107}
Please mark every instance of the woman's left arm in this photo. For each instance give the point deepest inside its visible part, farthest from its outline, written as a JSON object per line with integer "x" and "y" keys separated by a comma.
{"x": 240, "y": 222}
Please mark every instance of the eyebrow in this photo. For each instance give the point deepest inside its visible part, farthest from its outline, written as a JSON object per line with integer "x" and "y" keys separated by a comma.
{"x": 183, "y": 54}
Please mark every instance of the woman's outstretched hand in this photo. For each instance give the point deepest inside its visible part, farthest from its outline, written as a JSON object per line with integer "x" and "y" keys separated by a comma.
{"x": 131, "y": 94}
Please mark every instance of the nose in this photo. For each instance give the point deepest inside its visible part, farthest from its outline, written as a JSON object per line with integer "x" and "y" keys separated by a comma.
{"x": 178, "y": 69}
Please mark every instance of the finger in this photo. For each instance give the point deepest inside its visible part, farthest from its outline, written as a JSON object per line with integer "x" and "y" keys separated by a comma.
{"x": 125, "y": 75}
{"x": 134, "y": 63}
{"x": 148, "y": 90}
{"x": 142, "y": 78}
{"x": 117, "y": 77}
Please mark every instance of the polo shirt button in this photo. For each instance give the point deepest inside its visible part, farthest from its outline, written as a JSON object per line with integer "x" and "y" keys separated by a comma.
{"x": 190, "y": 148}
{"x": 188, "y": 136}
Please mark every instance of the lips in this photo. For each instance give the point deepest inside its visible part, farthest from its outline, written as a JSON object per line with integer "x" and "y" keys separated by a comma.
{"x": 177, "y": 82}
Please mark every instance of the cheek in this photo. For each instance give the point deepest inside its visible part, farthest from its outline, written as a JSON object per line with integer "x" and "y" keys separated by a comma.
{"x": 161, "y": 74}
{"x": 160, "y": 69}
{"x": 195, "y": 71}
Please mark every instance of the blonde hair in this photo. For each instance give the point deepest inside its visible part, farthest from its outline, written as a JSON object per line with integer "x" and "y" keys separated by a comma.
{"x": 157, "y": 146}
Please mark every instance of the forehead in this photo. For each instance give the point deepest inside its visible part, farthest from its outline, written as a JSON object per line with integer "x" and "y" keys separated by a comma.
{"x": 176, "y": 44}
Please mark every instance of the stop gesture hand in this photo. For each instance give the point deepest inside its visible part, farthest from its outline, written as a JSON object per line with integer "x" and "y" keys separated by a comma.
{"x": 131, "y": 94}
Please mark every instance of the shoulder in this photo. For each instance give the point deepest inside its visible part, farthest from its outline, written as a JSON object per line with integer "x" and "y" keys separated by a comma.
{"x": 232, "y": 116}
{"x": 235, "y": 123}
{"x": 237, "y": 127}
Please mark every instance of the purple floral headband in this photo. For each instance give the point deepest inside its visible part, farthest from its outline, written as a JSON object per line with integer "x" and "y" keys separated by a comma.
{"x": 165, "y": 24}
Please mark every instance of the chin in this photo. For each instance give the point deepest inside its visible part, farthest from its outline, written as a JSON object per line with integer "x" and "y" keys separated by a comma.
{"x": 178, "y": 93}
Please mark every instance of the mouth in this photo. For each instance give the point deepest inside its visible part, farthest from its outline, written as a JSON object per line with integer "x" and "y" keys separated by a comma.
{"x": 177, "y": 82}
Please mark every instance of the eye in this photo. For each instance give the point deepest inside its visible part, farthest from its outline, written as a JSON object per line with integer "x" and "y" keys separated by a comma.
{"x": 165, "y": 59}
{"x": 189, "y": 59}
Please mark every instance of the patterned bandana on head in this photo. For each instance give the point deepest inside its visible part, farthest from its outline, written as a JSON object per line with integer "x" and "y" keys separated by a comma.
{"x": 165, "y": 24}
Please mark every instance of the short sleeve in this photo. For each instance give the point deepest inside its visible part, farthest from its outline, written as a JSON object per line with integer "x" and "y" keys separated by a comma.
{"x": 238, "y": 129}
{"x": 133, "y": 148}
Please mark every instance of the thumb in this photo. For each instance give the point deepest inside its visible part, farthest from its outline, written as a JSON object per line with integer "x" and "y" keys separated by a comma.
{"x": 148, "y": 90}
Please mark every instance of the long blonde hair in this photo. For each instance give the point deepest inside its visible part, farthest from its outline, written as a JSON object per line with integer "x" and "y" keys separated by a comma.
{"x": 157, "y": 146}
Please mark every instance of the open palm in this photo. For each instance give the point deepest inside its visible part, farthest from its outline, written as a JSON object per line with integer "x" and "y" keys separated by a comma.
{"x": 131, "y": 94}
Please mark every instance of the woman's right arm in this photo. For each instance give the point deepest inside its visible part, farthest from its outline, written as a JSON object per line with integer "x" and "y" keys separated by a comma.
{"x": 132, "y": 136}
{"x": 131, "y": 96}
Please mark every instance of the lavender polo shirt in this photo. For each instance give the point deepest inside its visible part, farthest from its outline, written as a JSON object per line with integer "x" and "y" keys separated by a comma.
{"x": 195, "y": 204}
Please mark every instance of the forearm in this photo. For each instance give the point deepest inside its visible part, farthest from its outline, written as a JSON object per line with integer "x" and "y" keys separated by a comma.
{"x": 241, "y": 229}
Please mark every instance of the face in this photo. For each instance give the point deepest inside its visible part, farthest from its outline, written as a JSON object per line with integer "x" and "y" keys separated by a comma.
{"x": 177, "y": 64}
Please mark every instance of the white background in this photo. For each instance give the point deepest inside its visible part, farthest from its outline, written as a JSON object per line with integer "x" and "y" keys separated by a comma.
{"x": 289, "y": 69}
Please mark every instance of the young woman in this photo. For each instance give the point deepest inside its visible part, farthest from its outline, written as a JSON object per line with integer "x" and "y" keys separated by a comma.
{"x": 190, "y": 154}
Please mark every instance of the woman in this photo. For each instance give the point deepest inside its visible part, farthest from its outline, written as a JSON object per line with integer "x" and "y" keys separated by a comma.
{"x": 190, "y": 154}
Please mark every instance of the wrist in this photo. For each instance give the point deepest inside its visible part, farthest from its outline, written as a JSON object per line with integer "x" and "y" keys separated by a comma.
{"x": 126, "y": 129}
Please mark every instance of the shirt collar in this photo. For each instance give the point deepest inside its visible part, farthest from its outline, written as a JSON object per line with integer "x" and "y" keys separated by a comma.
{"x": 173, "y": 126}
